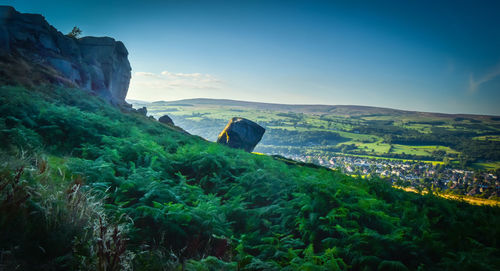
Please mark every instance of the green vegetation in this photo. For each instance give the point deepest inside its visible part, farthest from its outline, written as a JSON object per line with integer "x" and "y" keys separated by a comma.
{"x": 85, "y": 186}
{"x": 75, "y": 33}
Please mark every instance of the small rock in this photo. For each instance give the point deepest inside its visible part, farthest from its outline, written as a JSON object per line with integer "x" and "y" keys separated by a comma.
{"x": 142, "y": 111}
{"x": 165, "y": 119}
{"x": 241, "y": 133}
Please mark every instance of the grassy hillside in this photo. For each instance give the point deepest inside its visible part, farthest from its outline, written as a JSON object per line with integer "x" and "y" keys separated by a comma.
{"x": 86, "y": 186}
{"x": 471, "y": 140}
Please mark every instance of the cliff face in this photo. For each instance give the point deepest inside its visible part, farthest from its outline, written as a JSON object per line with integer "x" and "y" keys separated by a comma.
{"x": 33, "y": 52}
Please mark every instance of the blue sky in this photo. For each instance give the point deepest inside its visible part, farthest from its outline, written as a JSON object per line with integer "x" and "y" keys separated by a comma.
{"x": 439, "y": 56}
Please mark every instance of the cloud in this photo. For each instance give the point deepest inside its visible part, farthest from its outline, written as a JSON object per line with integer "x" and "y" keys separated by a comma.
{"x": 145, "y": 74}
{"x": 474, "y": 83}
{"x": 171, "y": 80}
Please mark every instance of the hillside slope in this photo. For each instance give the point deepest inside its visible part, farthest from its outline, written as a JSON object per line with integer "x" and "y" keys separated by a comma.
{"x": 86, "y": 186}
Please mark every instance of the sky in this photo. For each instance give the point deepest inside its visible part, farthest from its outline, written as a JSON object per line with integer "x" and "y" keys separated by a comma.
{"x": 436, "y": 56}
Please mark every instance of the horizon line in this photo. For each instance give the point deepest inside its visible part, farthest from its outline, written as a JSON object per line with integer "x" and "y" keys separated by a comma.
{"x": 315, "y": 104}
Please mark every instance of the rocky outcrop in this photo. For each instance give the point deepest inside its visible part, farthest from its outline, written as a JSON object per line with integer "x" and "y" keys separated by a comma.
{"x": 241, "y": 133}
{"x": 165, "y": 119}
{"x": 33, "y": 52}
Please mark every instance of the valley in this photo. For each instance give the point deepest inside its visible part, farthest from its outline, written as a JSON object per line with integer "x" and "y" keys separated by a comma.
{"x": 458, "y": 154}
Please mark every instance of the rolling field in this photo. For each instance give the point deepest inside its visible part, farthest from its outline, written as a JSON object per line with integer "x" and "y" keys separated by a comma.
{"x": 356, "y": 130}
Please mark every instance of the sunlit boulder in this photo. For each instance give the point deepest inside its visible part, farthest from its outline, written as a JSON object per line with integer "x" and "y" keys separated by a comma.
{"x": 241, "y": 133}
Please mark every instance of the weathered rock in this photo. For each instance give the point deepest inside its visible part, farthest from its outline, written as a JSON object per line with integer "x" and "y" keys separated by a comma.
{"x": 97, "y": 64}
{"x": 165, "y": 119}
{"x": 143, "y": 111}
{"x": 241, "y": 133}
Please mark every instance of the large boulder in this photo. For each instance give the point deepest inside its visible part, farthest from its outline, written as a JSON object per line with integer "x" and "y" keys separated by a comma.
{"x": 241, "y": 133}
{"x": 30, "y": 45}
{"x": 165, "y": 119}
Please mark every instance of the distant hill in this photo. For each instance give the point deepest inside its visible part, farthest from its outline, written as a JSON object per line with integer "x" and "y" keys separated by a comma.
{"x": 344, "y": 110}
